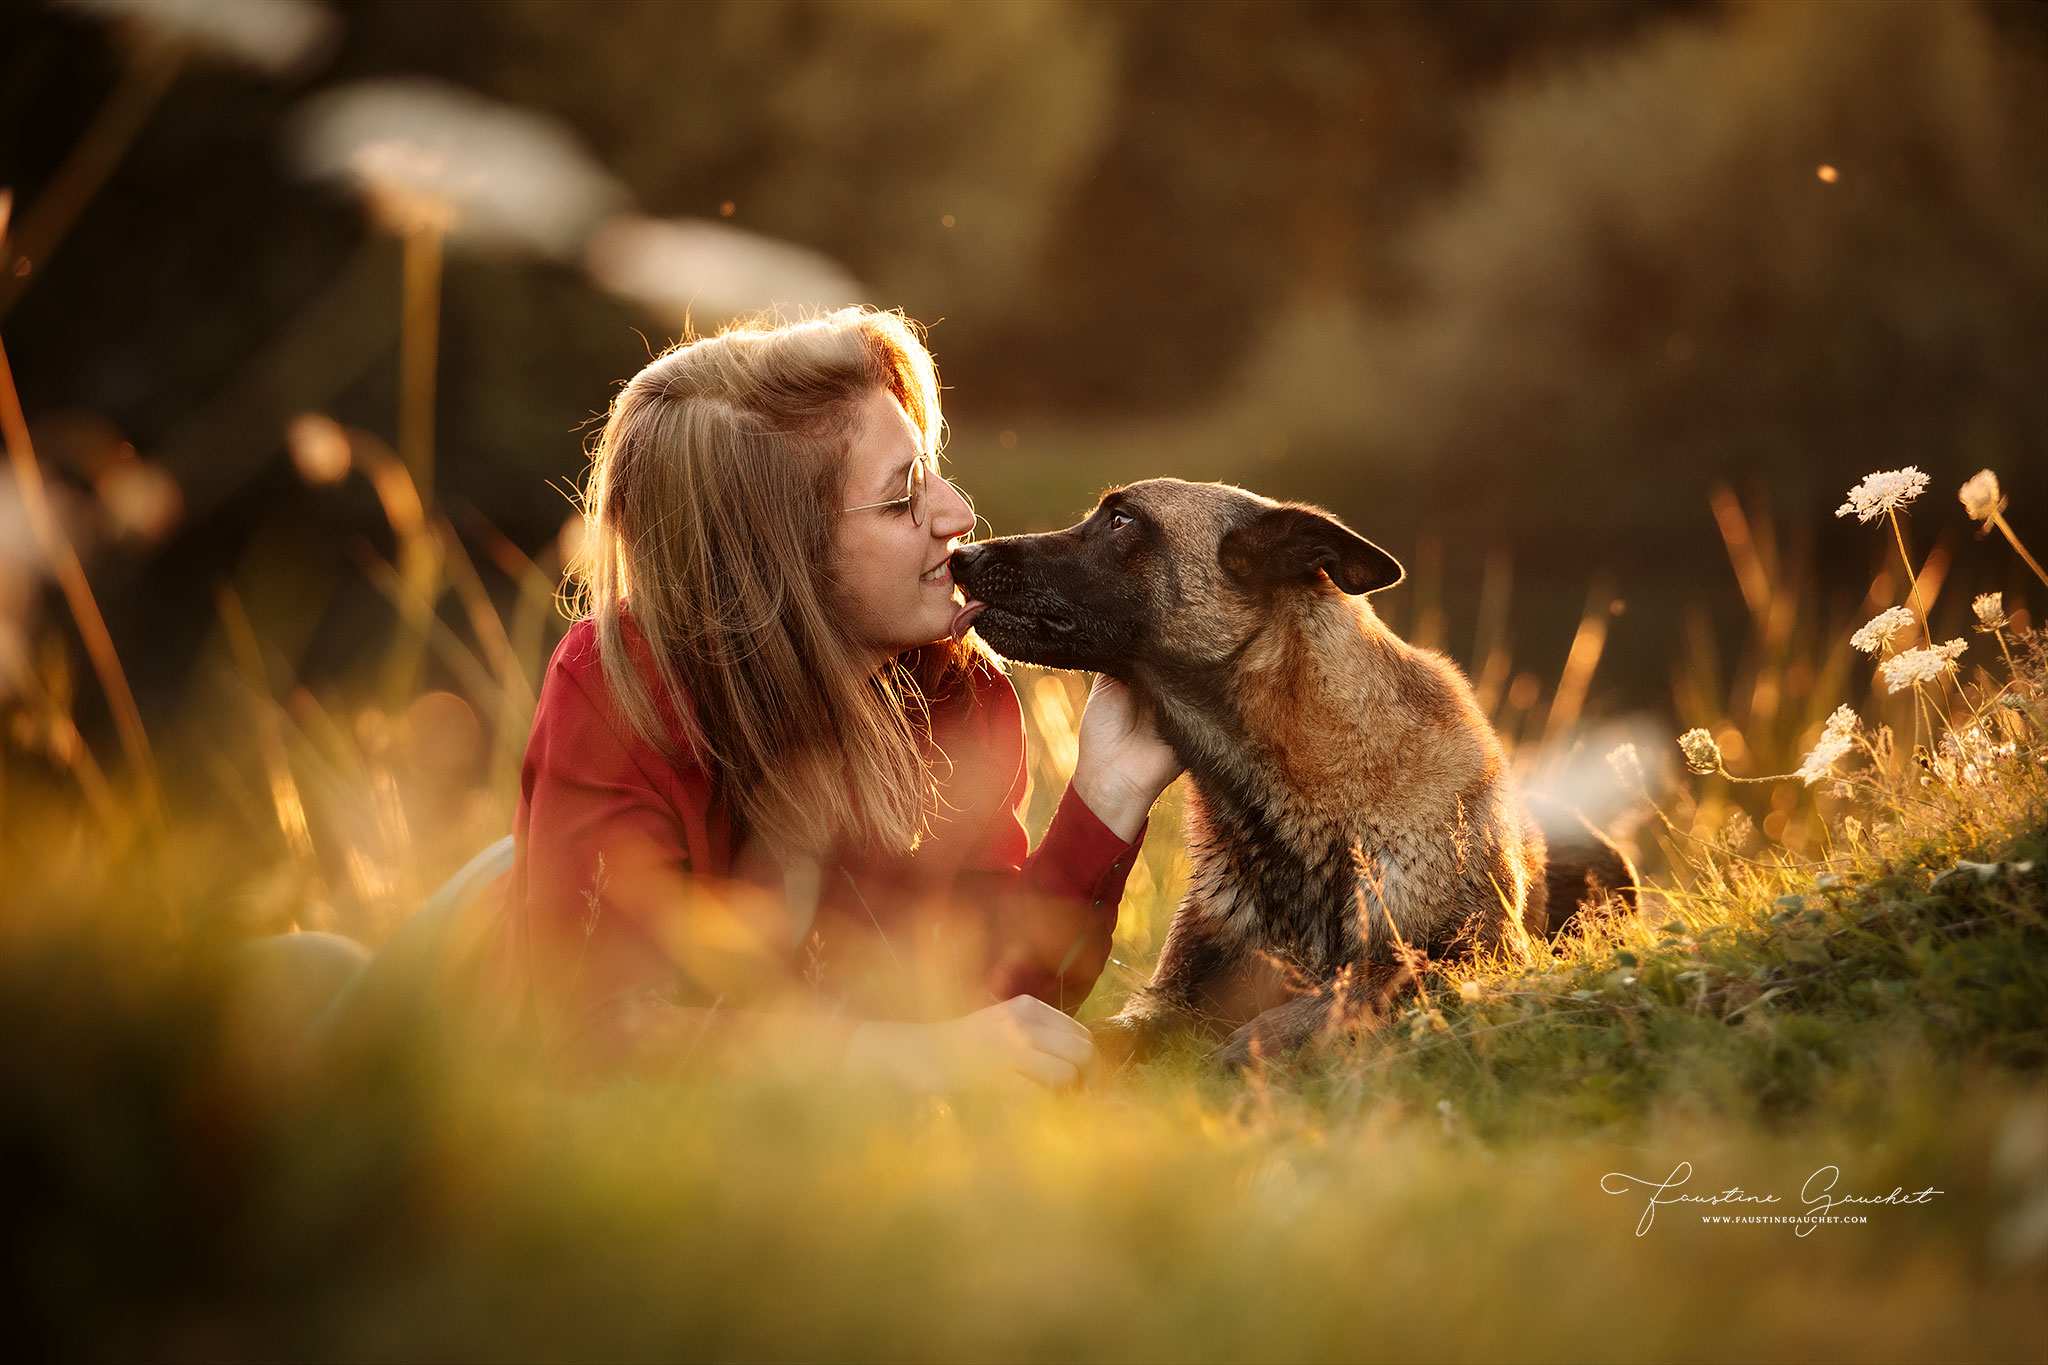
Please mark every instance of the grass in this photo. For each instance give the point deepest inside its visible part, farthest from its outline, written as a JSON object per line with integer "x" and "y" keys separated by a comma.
{"x": 1866, "y": 988}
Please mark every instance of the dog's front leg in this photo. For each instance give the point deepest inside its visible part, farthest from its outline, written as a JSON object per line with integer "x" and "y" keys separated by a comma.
{"x": 1354, "y": 1003}
{"x": 1147, "y": 1021}
{"x": 1185, "y": 994}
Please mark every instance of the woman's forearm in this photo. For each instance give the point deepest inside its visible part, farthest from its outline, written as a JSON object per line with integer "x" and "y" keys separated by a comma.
{"x": 648, "y": 1036}
{"x": 1119, "y": 803}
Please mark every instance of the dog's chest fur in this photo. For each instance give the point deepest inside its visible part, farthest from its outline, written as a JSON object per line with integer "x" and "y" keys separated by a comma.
{"x": 1346, "y": 790}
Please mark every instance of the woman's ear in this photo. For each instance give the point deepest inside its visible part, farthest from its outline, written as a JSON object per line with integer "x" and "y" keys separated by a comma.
{"x": 1292, "y": 542}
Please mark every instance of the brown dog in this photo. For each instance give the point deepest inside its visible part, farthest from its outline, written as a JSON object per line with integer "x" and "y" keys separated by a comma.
{"x": 1351, "y": 811}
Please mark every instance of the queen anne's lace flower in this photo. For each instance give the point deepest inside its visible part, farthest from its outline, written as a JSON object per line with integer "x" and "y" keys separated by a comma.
{"x": 1990, "y": 609}
{"x": 1878, "y": 631}
{"x": 1702, "y": 755}
{"x": 1836, "y": 741}
{"x": 1980, "y": 496}
{"x": 1627, "y": 765}
{"x": 1917, "y": 666}
{"x": 1883, "y": 492}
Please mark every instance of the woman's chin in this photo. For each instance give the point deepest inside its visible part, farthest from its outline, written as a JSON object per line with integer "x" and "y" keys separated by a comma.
{"x": 928, "y": 633}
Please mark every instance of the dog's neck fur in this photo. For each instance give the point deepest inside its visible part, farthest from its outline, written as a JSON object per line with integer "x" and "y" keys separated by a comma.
{"x": 1264, "y": 708}
{"x": 1382, "y": 752}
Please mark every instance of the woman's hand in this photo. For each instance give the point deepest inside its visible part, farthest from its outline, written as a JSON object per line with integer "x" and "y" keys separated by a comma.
{"x": 1022, "y": 1040}
{"x": 1123, "y": 763}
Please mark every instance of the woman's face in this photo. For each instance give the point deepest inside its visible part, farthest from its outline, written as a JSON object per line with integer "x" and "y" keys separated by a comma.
{"x": 894, "y": 583}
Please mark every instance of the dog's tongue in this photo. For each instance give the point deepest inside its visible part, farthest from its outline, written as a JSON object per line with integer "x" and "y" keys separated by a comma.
{"x": 964, "y": 618}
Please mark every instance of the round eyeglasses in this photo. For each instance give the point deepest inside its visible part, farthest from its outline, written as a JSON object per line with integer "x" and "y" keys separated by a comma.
{"x": 913, "y": 494}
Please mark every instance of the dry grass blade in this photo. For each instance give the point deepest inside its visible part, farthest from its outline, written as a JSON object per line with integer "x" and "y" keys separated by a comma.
{"x": 78, "y": 595}
{"x": 145, "y": 76}
{"x": 1577, "y": 678}
{"x": 418, "y": 613}
{"x": 286, "y": 801}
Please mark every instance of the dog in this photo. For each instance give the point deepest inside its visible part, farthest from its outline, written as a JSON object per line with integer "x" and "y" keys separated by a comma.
{"x": 1351, "y": 817}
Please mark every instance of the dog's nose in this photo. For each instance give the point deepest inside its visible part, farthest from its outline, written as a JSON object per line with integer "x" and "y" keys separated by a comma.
{"x": 964, "y": 558}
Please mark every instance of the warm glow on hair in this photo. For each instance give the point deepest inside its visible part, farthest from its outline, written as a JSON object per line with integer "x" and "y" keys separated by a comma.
{"x": 713, "y": 496}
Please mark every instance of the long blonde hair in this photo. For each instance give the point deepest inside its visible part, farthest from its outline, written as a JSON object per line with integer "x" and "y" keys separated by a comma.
{"x": 709, "y": 520}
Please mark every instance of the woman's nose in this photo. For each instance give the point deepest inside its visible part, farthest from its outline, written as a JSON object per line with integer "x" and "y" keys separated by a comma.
{"x": 951, "y": 513}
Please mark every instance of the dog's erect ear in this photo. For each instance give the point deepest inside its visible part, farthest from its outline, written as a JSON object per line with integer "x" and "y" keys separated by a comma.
{"x": 1286, "y": 544}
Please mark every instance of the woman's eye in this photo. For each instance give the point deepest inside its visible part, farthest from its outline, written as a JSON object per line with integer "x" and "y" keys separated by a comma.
{"x": 1118, "y": 520}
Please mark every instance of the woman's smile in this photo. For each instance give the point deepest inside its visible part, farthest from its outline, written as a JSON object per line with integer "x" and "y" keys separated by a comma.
{"x": 877, "y": 540}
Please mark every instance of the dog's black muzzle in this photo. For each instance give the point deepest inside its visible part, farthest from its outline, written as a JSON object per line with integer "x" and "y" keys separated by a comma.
{"x": 1037, "y": 605}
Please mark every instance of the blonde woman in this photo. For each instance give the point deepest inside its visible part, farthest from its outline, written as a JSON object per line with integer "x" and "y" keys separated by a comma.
{"x": 772, "y": 796}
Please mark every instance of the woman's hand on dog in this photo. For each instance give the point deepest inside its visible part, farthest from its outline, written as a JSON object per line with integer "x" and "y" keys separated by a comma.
{"x": 1022, "y": 1041}
{"x": 1123, "y": 765}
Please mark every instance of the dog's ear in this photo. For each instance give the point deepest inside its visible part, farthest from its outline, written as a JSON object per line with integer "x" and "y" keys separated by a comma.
{"x": 1289, "y": 543}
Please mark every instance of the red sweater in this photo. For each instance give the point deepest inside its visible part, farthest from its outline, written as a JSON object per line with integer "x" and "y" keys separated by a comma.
{"x": 628, "y": 884}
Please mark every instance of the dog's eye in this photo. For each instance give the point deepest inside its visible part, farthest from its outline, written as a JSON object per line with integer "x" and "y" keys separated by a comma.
{"x": 1118, "y": 520}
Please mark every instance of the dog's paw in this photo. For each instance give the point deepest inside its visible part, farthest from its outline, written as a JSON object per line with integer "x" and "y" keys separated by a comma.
{"x": 1121, "y": 1040}
{"x": 1241, "y": 1050}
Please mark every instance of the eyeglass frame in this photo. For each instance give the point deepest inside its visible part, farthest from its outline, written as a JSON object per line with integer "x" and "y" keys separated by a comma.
{"x": 914, "y": 498}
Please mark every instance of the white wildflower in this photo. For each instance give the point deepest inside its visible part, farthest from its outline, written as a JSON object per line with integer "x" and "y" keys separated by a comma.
{"x": 425, "y": 155}
{"x": 1980, "y": 496}
{"x": 1836, "y": 742}
{"x": 1990, "y": 609}
{"x": 280, "y": 38}
{"x": 1627, "y": 765}
{"x": 700, "y": 269}
{"x": 1917, "y": 666}
{"x": 1972, "y": 752}
{"x": 1878, "y": 631}
{"x": 1702, "y": 755}
{"x": 1883, "y": 492}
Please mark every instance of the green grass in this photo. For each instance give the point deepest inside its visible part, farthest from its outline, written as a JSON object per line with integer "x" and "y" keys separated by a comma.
{"x": 1869, "y": 996}
{"x": 1432, "y": 1190}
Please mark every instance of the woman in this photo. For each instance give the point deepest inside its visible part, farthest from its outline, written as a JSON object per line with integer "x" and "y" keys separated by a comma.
{"x": 772, "y": 795}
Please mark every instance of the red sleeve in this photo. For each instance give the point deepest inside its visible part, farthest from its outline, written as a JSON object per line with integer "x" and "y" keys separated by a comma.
{"x": 1053, "y": 926}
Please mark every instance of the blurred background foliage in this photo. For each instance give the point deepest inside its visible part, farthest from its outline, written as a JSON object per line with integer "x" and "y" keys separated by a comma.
{"x": 1504, "y": 284}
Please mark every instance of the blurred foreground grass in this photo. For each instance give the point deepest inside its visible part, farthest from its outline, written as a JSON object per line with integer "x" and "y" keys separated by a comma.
{"x": 170, "y": 1193}
{"x": 174, "y": 1188}
{"x": 1863, "y": 990}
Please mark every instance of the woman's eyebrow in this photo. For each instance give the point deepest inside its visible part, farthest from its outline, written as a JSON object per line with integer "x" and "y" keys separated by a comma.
{"x": 898, "y": 481}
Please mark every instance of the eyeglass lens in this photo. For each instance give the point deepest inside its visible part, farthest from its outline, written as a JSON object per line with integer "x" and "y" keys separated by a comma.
{"x": 917, "y": 499}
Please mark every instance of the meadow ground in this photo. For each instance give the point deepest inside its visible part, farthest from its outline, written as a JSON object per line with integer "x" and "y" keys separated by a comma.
{"x": 1849, "y": 1004}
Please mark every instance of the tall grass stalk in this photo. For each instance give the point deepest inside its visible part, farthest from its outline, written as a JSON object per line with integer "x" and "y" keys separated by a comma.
{"x": 419, "y": 561}
{"x": 78, "y": 596}
{"x": 149, "y": 66}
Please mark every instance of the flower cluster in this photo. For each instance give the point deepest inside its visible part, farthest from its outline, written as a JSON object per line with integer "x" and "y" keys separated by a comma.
{"x": 1836, "y": 741}
{"x": 1908, "y": 657}
{"x": 1980, "y": 497}
{"x": 1917, "y": 666}
{"x": 1627, "y": 765}
{"x": 1883, "y": 492}
{"x": 1878, "y": 631}
{"x": 1702, "y": 755}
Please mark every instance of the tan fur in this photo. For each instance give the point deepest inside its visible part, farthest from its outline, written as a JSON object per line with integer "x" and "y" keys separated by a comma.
{"x": 1351, "y": 813}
